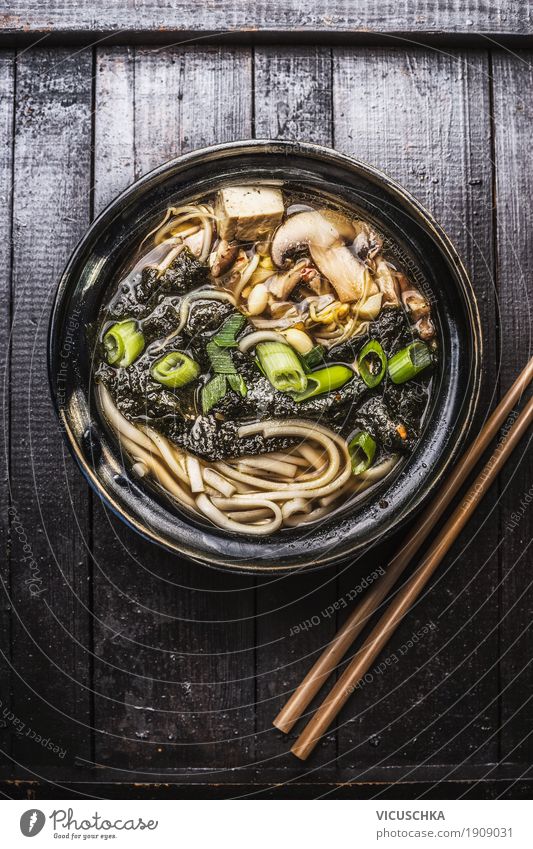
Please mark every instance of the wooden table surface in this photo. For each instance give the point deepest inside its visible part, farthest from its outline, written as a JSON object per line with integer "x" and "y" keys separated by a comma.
{"x": 126, "y": 670}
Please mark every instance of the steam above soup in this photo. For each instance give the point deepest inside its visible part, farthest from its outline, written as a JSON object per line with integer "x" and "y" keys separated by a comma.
{"x": 263, "y": 362}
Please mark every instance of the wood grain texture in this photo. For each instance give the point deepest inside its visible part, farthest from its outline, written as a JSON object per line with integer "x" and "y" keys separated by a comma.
{"x": 50, "y": 526}
{"x": 114, "y": 140}
{"x": 191, "y": 665}
{"x": 7, "y": 94}
{"x": 293, "y": 100}
{"x": 293, "y": 94}
{"x": 513, "y": 125}
{"x": 258, "y": 778}
{"x": 501, "y": 788}
{"x": 167, "y": 19}
{"x": 174, "y": 679}
{"x": 424, "y": 118}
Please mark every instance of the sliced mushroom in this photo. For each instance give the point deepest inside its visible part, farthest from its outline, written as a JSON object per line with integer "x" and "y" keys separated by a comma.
{"x": 224, "y": 257}
{"x": 415, "y": 304}
{"x": 285, "y": 309}
{"x": 343, "y": 225}
{"x": 387, "y": 284}
{"x": 319, "y": 285}
{"x": 366, "y": 243}
{"x": 364, "y": 240}
{"x": 310, "y": 231}
{"x": 425, "y": 328}
{"x": 234, "y": 279}
{"x": 417, "y": 307}
{"x": 413, "y": 300}
{"x": 281, "y": 285}
{"x": 346, "y": 274}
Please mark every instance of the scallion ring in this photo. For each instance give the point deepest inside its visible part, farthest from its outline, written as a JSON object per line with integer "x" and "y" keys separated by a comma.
{"x": 282, "y": 366}
{"x": 123, "y": 343}
{"x": 175, "y": 369}
{"x": 362, "y": 449}
{"x": 409, "y": 362}
{"x": 372, "y": 363}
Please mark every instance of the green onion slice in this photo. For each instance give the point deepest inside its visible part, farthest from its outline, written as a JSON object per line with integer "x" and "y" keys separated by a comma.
{"x": 225, "y": 338}
{"x": 220, "y": 360}
{"x": 409, "y": 362}
{"x": 213, "y": 392}
{"x": 324, "y": 380}
{"x": 313, "y": 358}
{"x": 362, "y": 450}
{"x": 123, "y": 343}
{"x": 281, "y": 366}
{"x": 372, "y": 363}
{"x": 175, "y": 369}
{"x": 237, "y": 384}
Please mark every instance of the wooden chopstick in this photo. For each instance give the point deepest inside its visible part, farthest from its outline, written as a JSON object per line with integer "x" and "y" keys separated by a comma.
{"x": 337, "y": 648}
{"x": 408, "y": 594}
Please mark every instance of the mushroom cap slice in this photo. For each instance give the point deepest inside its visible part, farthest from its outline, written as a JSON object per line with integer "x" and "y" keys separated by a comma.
{"x": 310, "y": 231}
{"x": 281, "y": 285}
{"x": 343, "y": 225}
{"x": 224, "y": 257}
{"x": 413, "y": 300}
{"x": 387, "y": 284}
{"x": 297, "y": 233}
{"x": 367, "y": 243}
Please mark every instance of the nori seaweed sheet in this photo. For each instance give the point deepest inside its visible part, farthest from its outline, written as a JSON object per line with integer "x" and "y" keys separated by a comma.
{"x": 155, "y": 302}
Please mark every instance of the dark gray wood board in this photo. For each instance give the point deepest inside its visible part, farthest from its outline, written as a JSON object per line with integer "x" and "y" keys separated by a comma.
{"x": 190, "y": 665}
{"x": 421, "y": 20}
{"x": 513, "y": 127}
{"x": 51, "y": 203}
{"x": 7, "y": 91}
{"x": 174, "y": 679}
{"x": 496, "y": 790}
{"x": 292, "y": 101}
{"x": 385, "y": 113}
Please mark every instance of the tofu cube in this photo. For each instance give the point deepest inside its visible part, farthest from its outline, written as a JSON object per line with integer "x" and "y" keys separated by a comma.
{"x": 248, "y": 213}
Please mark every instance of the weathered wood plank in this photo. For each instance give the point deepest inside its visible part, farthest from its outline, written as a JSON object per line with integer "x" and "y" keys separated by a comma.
{"x": 293, "y": 100}
{"x": 144, "y": 598}
{"x": 513, "y": 123}
{"x": 7, "y": 94}
{"x": 293, "y": 94}
{"x": 258, "y": 778}
{"x": 424, "y": 118}
{"x": 114, "y": 143}
{"x": 50, "y": 521}
{"x": 428, "y": 20}
{"x": 175, "y": 641}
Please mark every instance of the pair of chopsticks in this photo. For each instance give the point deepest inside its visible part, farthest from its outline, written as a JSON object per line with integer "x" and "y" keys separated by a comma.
{"x": 409, "y": 592}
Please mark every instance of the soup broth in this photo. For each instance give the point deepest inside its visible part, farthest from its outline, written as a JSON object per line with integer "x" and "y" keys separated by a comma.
{"x": 263, "y": 361}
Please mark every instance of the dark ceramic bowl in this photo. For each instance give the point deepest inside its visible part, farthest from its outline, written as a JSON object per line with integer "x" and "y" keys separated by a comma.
{"x": 429, "y": 259}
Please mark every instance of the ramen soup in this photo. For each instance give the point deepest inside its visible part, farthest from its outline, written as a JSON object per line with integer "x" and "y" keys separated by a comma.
{"x": 263, "y": 361}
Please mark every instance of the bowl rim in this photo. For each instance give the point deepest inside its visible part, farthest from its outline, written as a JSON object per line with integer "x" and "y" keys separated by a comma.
{"x": 324, "y": 154}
